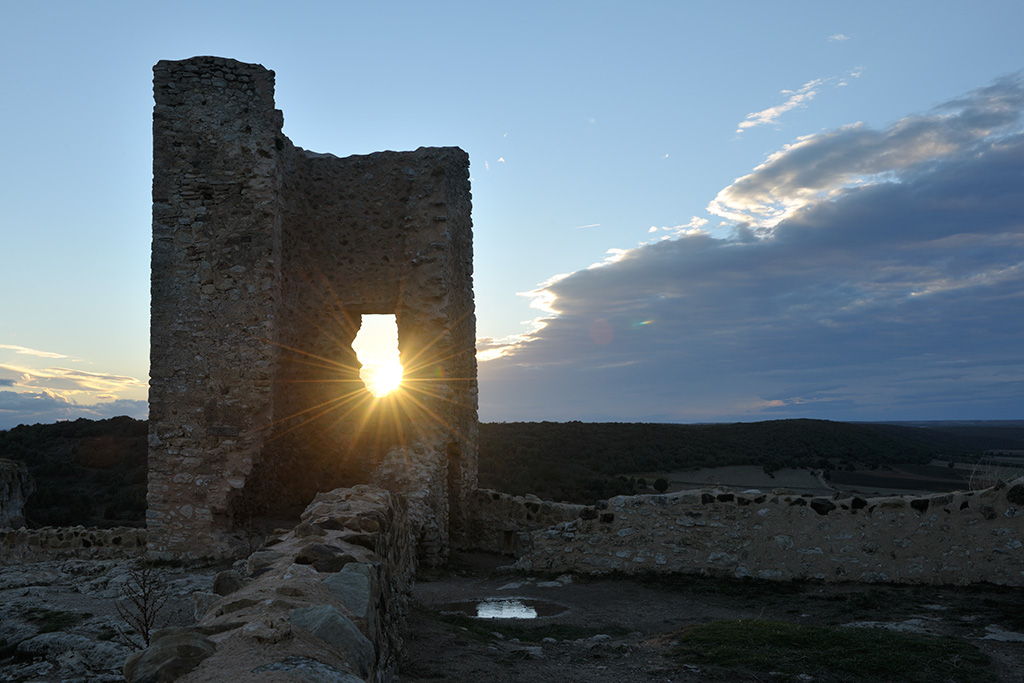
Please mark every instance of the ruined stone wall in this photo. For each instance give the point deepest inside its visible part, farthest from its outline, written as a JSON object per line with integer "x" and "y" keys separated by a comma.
{"x": 502, "y": 523}
{"x": 955, "y": 538}
{"x": 324, "y": 601}
{"x": 215, "y": 294}
{"x": 404, "y": 251}
{"x": 63, "y": 543}
{"x": 265, "y": 257}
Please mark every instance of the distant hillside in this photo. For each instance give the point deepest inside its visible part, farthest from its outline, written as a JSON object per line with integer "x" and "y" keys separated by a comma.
{"x": 87, "y": 472}
{"x": 960, "y": 435}
{"x": 94, "y": 472}
{"x": 587, "y": 461}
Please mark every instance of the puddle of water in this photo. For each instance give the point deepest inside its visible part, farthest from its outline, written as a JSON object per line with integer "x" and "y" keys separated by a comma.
{"x": 505, "y": 608}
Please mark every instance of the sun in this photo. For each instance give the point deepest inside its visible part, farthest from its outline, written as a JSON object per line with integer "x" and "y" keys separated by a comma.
{"x": 376, "y": 347}
{"x": 381, "y": 378}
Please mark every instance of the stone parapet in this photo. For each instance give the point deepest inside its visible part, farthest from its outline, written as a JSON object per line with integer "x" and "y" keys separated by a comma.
{"x": 323, "y": 601}
{"x": 956, "y": 538}
{"x": 76, "y": 542}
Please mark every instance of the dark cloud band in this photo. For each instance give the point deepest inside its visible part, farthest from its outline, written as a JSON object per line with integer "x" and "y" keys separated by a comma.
{"x": 890, "y": 290}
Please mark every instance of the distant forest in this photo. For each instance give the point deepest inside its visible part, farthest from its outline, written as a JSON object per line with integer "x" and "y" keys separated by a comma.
{"x": 87, "y": 472}
{"x": 586, "y": 461}
{"x": 94, "y": 472}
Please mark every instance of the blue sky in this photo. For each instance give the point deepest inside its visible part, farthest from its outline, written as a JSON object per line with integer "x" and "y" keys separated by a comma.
{"x": 799, "y": 209}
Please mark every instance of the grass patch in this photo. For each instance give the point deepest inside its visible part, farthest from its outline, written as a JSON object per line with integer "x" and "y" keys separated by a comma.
{"x": 482, "y": 629}
{"x": 828, "y": 654}
{"x": 50, "y": 621}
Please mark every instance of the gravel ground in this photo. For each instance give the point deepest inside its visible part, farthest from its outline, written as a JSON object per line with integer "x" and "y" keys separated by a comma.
{"x": 59, "y": 620}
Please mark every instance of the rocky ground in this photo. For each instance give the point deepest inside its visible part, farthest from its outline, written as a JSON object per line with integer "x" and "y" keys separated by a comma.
{"x": 59, "y": 622}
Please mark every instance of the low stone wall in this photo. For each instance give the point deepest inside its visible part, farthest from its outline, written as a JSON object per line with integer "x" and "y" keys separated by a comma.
{"x": 956, "y": 538}
{"x": 62, "y": 543}
{"x": 501, "y": 523}
{"x": 324, "y": 601}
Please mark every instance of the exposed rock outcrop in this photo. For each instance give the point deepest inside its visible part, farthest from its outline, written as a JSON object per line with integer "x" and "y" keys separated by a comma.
{"x": 60, "y": 622}
{"x": 173, "y": 653}
{"x": 16, "y": 485}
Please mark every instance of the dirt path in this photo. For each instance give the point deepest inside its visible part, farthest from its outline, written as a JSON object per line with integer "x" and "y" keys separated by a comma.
{"x": 621, "y": 630}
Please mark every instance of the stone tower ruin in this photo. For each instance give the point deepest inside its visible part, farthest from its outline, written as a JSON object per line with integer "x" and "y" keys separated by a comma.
{"x": 265, "y": 257}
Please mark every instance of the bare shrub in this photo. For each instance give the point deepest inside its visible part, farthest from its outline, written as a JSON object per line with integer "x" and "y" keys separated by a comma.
{"x": 144, "y": 596}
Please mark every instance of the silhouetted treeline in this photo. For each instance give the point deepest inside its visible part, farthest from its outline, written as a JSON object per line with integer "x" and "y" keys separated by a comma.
{"x": 583, "y": 462}
{"x": 94, "y": 472}
{"x": 87, "y": 472}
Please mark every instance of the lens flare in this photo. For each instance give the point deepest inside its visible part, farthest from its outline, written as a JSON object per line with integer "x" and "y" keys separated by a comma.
{"x": 376, "y": 346}
{"x": 381, "y": 378}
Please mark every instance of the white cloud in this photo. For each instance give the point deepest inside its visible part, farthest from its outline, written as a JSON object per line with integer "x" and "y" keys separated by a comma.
{"x": 45, "y": 393}
{"x": 694, "y": 226}
{"x": 48, "y": 406}
{"x": 31, "y": 352}
{"x": 819, "y": 167}
{"x": 69, "y": 379}
{"x": 800, "y": 98}
{"x": 838, "y": 38}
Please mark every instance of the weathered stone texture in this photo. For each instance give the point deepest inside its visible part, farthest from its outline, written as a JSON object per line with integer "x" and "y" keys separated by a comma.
{"x": 955, "y": 538}
{"x": 265, "y": 257}
{"x": 173, "y": 653}
{"x": 326, "y": 598}
{"x": 61, "y": 543}
{"x": 502, "y": 523}
{"x": 215, "y": 292}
